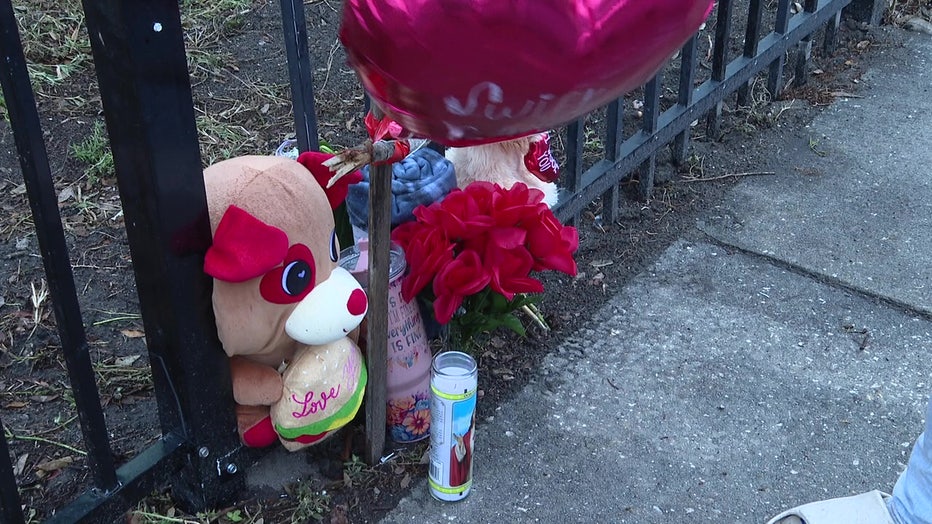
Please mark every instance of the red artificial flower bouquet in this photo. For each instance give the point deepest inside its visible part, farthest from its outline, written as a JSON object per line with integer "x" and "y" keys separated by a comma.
{"x": 471, "y": 255}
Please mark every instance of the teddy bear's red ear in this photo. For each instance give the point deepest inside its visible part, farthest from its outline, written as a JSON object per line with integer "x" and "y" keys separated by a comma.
{"x": 244, "y": 247}
{"x": 313, "y": 161}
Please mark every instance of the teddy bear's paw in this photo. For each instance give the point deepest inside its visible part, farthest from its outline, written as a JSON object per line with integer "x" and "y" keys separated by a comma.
{"x": 260, "y": 435}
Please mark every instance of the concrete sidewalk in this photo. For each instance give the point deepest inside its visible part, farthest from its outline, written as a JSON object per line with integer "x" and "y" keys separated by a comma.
{"x": 777, "y": 355}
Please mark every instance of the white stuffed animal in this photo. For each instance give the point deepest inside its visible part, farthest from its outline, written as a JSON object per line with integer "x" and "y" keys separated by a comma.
{"x": 527, "y": 159}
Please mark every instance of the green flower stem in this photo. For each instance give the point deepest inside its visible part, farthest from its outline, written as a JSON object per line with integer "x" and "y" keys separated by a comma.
{"x": 536, "y": 316}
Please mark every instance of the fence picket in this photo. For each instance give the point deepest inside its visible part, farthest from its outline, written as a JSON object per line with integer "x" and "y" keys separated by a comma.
{"x": 719, "y": 61}
{"x": 145, "y": 89}
{"x": 300, "y": 73}
{"x": 614, "y": 134}
{"x": 775, "y": 78}
{"x": 688, "y": 62}
{"x": 10, "y": 510}
{"x": 751, "y": 42}
{"x": 648, "y": 168}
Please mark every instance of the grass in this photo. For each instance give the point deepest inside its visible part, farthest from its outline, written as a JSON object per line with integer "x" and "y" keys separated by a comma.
{"x": 58, "y": 51}
{"x": 354, "y": 471}
{"x": 160, "y": 509}
{"x": 306, "y": 502}
{"x": 54, "y": 40}
{"x": 94, "y": 151}
{"x": 266, "y": 107}
{"x": 206, "y": 25}
{"x": 312, "y": 504}
{"x": 56, "y": 45}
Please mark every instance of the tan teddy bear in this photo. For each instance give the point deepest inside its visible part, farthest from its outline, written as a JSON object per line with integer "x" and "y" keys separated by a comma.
{"x": 284, "y": 307}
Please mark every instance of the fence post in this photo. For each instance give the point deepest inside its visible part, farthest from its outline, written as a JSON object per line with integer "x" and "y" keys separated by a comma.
{"x": 10, "y": 510}
{"x": 719, "y": 63}
{"x": 648, "y": 168}
{"x": 146, "y": 94}
{"x": 300, "y": 73}
{"x": 575, "y": 140}
{"x": 614, "y": 136}
{"x": 775, "y": 77}
{"x": 688, "y": 64}
{"x": 867, "y": 11}
{"x": 804, "y": 49}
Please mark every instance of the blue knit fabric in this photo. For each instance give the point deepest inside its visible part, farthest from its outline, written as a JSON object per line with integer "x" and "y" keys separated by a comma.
{"x": 423, "y": 177}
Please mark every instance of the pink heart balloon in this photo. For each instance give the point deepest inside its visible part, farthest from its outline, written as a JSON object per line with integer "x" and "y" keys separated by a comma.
{"x": 464, "y": 72}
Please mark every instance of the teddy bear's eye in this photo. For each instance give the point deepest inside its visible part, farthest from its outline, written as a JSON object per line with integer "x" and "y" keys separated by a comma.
{"x": 334, "y": 246}
{"x": 296, "y": 277}
{"x": 293, "y": 280}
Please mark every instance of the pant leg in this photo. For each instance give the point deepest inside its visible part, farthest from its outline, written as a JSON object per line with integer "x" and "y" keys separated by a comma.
{"x": 912, "y": 494}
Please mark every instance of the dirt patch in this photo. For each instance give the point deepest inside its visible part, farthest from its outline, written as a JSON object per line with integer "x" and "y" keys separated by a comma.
{"x": 242, "y": 99}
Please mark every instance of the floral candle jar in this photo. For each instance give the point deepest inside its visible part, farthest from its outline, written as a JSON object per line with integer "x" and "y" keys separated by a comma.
{"x": 409, "y": 358}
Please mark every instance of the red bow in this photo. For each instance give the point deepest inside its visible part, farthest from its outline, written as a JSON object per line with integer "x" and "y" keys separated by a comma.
{"x": 540, "y": 162}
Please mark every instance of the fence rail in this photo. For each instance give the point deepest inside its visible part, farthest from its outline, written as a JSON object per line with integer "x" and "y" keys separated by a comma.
{"x": 145, "y": 90}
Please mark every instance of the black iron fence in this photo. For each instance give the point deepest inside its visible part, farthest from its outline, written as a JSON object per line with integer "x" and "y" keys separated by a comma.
{"x": 145, "y": 89}
{"x": 636, "y": 154}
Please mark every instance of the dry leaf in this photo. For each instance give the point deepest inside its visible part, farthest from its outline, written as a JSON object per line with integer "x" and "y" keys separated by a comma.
{"x": 43, "y": 398}
{"x": 406, "y": 481}
{"x": 399, "y": 470}
{"x": 20, "y": 464}
{"x": 16, "y": 404}
{"x": 55, "y": 464}
{"x": 425, "y": 458}
{"x": 601, "y": 263}
{"x": 132, "y": 333}
{"x": 126, "y": 361}
{"x": 65, "y": 194}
